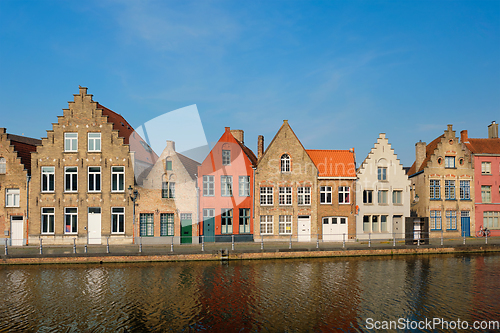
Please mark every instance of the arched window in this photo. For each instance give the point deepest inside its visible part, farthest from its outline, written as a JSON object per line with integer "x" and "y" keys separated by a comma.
{"x": 285, "y": 163}
{"x": 3, "y": 165}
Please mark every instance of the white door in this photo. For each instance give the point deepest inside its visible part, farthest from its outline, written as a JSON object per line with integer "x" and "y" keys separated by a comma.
{"x": 304, "y": 234}
{"x": 397, "y": 227}
{"x": 94, "y": 225}
{"x": 17, "y": 231}
{"x": 334, "y": 228}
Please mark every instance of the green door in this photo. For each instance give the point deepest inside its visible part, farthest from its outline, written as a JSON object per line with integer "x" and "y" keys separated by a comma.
{"x": 186, "y": 229}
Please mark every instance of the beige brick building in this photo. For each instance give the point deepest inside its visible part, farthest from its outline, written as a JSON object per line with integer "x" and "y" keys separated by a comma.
{"x": 167, "y": 203}
{"x": 80, "y": 176}
{"x": 15, "y": 163}
{"x": 442, "y": 185}
{"x": 286, "y": 184}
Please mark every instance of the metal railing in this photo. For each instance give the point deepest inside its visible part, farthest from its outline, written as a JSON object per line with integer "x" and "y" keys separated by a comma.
{"x": 211, "y": 244}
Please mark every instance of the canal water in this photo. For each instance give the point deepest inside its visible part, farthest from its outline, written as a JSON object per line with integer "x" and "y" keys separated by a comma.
{"x": 318, "y": 295}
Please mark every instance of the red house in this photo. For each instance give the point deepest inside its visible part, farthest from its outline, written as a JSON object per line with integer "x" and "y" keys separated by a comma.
{"x": 225, "y": 180}
{"x": 486, "y": 153}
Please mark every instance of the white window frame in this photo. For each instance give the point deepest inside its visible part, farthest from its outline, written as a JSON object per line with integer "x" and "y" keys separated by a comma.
{"x": 382, "y": 197}
{"x": 285, "y": 163}
{"x": 226, "y": 186}
{"x": 451, "y": 220}
{"x": 486, "y": 168}
{"x": 226, "y": 221}
{"x": 266, "y": 195}
{"x": 486, "y": 193}
{"x": 304, "y": 195}
{"x": 94, "y": 141}
{"x": 491, "y": 220}
{"x": 117, "y": 178}
{"x": 70, "y": 142}
{"x": 397, "y": 197}
{"x": 3, "y": 165}
{"x": 72, "y": 181}
{"x": 285, "y": 224}
{"x": 73, "y": 219}
{"x": 368, "y": 194}
{"x": 208, "y": 186}
{"x": 12, "y": 197}
{"x": 266, "y": 225}
{"x": 382, "y": 174}
{"x": 244, "y": 186}
{"x": 94, "y": 179}
{"x": 285, "y": 196}
{"x": 326, "y": 195}
{"x": 120, "y": 216}
{"x": 465, "y": 190}
{"x": 436, "y": 220}
{"x": 449, "y": 189}
{"x": 448, "y": 162}
{"x": 226, "y": 157}
{"x": 47, "y": 221}
{"x": 344, "y": 191}
{"x": 47, "y": 175}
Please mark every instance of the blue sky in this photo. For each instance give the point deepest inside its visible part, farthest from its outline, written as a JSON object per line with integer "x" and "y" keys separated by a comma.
{"x": 341, "y": 72}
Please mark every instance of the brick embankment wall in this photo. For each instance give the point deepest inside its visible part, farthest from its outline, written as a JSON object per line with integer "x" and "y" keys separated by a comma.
{"x": 102, "y": 258}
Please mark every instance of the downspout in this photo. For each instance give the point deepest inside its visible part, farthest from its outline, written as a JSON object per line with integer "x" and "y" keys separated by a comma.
{"x": 28, "y": 179}
{"x": 253, "y": 201}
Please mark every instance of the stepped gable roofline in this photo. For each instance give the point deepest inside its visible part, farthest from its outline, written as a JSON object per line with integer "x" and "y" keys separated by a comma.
{"x": 483, "y": 146}
{"x": 429, "y": 150}
{"x": 24, "y": 146}
{"x": 372, "y": 151}
{"x": 333, "y": 163}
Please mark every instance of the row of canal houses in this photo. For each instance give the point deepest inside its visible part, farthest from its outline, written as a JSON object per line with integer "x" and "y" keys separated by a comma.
{"x": 94, "y": 179}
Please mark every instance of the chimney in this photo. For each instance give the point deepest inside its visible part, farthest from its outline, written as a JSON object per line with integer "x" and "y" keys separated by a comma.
{"x": 450, "y": 128}
{"x": 2, "y": 130}
{"x": 171, "y": 145}
{"x": 260, "y": 146}
{"x": 493, "y": 130}
{"x": 419, "y": 154}
{"x": 238, "y": 135}
{"x": 464, "y": 137}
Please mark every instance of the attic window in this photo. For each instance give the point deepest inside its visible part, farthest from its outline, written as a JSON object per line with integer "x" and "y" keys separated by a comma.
{"x": 146, "y": 147}
{"x": 122, "y": 123}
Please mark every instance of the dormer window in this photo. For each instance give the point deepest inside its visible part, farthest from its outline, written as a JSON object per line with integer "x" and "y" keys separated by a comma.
{"x": 285, "y": 163}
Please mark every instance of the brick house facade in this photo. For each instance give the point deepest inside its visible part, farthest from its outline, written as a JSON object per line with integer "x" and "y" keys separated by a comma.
{"x": 80, "y": 176}
{"x": 442, "y": 185}
{"x": 286, "y": 184}
{"x": 167, "y": 204}
{"x": 15, "y": 170}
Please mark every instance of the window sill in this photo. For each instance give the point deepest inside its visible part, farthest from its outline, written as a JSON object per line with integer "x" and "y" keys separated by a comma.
{"x": 304, "y": 205}
{"x": 486, "y": 174}
{"x": 94, "y": 151}
{"x": 94, "y": 192}
{"x": 325, "y": 203}
{"x": 117, "y": 233}
{"x": 290, "y": 205}
{"x": 344, "y": 203}
{"x": 266, "y": 205}
{"x": 117, "y": 192}
{"x": 465, "y": 200}
{"x": 435, "y": 199}
{"x": 450, "y": 167}
{"x": 47, "y": 192}
{"x": 383, "y": 204}
{"x": 450, "y": 199}
{"x": 436, "y": 229}
{"x": 12, "y": 206}
{"x": 368, "y": 203}
{"x": 398, "y": 204}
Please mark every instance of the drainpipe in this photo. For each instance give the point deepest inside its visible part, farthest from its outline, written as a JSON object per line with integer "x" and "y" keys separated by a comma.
{"x": 28, "y": 179}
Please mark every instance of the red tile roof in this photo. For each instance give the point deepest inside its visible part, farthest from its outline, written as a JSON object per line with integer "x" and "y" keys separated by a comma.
{"x": 143, "y": 151}
{"x": 24, "y": 146}
{"x": 333, "y": 163}
{"x": 483, "y": 146}
{"x": 429, "y": 150}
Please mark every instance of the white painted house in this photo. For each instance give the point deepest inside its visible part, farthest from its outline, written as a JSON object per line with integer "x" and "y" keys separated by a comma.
{"x": 382, "y": 194}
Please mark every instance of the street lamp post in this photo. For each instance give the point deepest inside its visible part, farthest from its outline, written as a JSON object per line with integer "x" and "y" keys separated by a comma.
{"x": 133, "y": 196}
